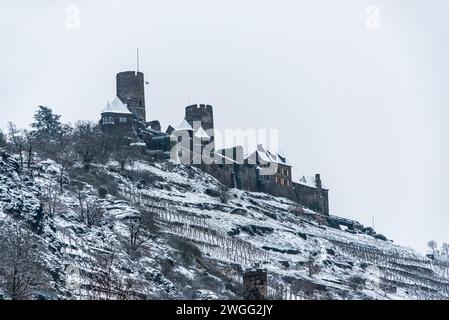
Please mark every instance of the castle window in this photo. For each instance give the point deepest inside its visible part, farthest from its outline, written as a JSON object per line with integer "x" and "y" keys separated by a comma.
{"x": 108, "y": 120}
{"x": 122, "y": 119}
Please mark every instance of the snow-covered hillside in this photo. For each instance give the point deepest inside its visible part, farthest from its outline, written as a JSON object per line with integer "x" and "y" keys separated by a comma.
{"x": 163, "y": 230}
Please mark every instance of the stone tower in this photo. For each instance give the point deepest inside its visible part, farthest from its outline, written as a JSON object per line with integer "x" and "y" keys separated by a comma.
{"x": 131, "y": 91}
{"x": 203, "y": 113}
{"x": 255, "y": 284}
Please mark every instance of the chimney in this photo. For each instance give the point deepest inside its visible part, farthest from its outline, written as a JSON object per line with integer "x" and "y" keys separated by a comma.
{"x": 318, "y": 181}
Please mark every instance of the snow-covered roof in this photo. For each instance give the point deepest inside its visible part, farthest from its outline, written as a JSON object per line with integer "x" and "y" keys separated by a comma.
{"x": 226, "y": 160}
{"x": 116, "y": 106}
{"x": 201, "y": 134}
{"x": 184, "y": 126}
{"x": 310, "y": 181}
{"x": 138, "y": 144}
{"x": 267, "y": 155}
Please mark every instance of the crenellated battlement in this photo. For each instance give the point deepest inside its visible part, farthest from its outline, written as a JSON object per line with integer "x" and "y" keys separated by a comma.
{"x": 204, "y": 107}
{"x": 200, "y": 112}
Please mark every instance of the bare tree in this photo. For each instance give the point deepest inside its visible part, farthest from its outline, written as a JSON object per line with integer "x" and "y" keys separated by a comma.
{"x": 20, "y": 265}
{"x": 105, "y": 282}
{"x": 312, "y": 266}
{"x": 65, "y": 163}
{"x": 445, "y": 249}
{"x": 117, "y": 146}
{"x": 357, "y": 282}
{"x": 135, "y": 236}
{"x": 86, "y": 143}
{"x": 49, "y": 197}
{"x": 29, "y": 139}
{"x": 2, "y": 139}
{"x": 124, "y": 155}
{"x": 66, "y": 160}
{"x": 90, "y": 213}
{"x": 17, "y": 141}
{"x": 224, "y": 195}
{"x": 432, "y": 246}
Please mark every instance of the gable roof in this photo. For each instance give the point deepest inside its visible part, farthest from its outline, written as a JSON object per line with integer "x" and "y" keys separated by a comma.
{"x": 310, "y": 181}
{"x": 116, "y": 106}
{"x": 201, "y": 134}
{"x": 184, "y": 126}
{"x": 267, "y": 155}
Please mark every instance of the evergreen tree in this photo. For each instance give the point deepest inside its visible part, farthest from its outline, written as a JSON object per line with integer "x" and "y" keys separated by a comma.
{"x": 47, "y": 128}
{"x": 46, "y": 122}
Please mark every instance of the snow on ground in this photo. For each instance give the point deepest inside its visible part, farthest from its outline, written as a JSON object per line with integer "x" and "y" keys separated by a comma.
{"x": 174, "y": 203}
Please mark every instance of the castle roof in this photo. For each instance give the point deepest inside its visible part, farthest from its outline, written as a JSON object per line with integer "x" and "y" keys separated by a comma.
{"x": 310, "y": 181}
{"x": 201, "y": 134}
{"x": 184, "y": 126}
{"x": 268, "y": 156}
{"x": 116, "y": 106}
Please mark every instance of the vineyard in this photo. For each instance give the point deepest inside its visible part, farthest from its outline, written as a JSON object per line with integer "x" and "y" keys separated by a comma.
{"x": 424, "y": 278}
{"x": 216, "y": 245}
{"x": 420, "y": 277}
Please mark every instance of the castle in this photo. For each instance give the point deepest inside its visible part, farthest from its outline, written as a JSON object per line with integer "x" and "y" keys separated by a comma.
{"x": 127, "y": 113}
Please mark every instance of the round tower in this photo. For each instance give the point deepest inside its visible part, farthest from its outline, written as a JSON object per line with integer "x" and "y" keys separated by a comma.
{"x": 131, "y": 91}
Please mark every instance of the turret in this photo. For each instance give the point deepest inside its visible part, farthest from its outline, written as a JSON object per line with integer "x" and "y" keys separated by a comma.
{"x": 131, "y": 91}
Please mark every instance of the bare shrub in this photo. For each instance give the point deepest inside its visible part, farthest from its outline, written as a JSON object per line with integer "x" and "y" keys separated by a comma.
{"x": 187, "y": 250}
{"x": 135, "y": 239}
{"x": 90, "y": 212}
{"x": 357, "y": 282}
{"x": 107, "y": 283}
{"x": 21, "y": 268}
{"x": 313, "y": 267}
{"x": 224, "y": 195}
{"x": 18, "y": 142}
{"x": 86, "y": 143}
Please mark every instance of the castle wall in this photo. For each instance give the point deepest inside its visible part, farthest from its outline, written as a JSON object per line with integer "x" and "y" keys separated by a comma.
{"x": 223, "y": 173}
{"x": 245, "y": 177}
{"x": 276, "y": 189}
{"x": 131, "y": 90}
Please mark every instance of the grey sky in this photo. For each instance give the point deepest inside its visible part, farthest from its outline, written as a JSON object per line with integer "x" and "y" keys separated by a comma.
{"x": 368, "y": 109}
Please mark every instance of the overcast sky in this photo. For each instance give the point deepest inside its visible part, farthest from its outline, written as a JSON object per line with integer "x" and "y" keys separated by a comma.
{"x": 363, "y": 101}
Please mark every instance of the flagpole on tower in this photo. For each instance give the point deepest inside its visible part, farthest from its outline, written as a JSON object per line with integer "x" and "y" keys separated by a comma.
{"x": 138, "y": 60}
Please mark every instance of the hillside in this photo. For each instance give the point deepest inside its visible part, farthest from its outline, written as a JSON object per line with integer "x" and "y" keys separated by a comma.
{"x": 162, "y": 230}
